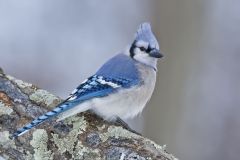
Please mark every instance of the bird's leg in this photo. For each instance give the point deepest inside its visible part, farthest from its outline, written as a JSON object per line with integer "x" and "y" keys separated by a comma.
{"x": 119, "y": 121}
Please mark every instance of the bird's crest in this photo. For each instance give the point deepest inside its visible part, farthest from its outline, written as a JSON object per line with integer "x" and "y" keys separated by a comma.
{"x": 144, "y": 33}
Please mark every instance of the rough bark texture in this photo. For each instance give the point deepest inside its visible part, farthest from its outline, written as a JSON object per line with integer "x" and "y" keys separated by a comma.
{"x": 84, "y": 136}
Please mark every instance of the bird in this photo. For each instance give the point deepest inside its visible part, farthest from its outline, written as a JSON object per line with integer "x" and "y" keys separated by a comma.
{"x": 119, "y": 90}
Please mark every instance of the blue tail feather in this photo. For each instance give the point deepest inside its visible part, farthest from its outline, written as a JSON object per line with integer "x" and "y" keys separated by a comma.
{"x": 88, "y": 90}
{"x": 62, "y": 107}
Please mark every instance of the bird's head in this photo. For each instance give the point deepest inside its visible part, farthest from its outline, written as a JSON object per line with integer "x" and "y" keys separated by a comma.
{"x": 145, "y": 48}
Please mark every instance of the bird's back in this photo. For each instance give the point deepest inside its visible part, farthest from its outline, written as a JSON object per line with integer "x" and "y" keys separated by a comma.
{"x": 121, "y": 66}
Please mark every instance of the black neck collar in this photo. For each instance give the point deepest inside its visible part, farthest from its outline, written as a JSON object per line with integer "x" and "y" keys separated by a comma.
{"x": 131, "y": 50}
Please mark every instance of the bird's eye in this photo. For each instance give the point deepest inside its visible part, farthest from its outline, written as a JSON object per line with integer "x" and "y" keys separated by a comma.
{"x": 142, "y": 48}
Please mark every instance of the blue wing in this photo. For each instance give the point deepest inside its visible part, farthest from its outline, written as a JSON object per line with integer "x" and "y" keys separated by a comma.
{"x": 95, "y": 86}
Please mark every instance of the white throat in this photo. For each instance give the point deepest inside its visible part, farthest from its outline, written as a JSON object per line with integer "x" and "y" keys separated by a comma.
{"x": 147, "y": 60}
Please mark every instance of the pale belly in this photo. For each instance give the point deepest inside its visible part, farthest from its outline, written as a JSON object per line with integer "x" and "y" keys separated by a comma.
{"x": 127, "y": 103}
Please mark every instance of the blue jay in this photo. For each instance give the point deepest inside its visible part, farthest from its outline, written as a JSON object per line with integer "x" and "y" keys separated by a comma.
{"x": 119, "y": 89}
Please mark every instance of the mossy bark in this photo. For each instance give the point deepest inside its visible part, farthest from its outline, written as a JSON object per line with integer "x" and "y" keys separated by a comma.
{"x": 83, "y": 136}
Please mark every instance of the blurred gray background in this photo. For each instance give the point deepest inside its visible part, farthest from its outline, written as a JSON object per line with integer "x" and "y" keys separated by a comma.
{"x": 195, "y": 107}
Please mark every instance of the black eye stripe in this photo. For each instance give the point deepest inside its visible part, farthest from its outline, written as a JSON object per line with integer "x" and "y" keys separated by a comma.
{"x": 133, "y": 46}
{"x": 149, "y": 49}
{"x": 142, "y": 48}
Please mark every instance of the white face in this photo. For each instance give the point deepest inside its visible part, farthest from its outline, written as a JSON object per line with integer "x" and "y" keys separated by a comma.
{"x": 141, "y": 52}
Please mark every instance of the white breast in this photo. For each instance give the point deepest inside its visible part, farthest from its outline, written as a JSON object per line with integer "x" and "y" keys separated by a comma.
{"x": 130, "y": 102}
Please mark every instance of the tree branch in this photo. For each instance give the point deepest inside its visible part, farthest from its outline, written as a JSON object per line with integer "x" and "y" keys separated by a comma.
{"x": 84, "y": 136}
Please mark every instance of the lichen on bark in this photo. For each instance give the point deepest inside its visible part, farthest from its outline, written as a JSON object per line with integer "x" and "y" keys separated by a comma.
{"x": 83, "y": 136}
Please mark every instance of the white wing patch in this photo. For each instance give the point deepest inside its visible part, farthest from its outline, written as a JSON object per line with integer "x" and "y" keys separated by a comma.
{"x": 74, "y": 91}
{"x": 72, "y": 98}
{"x": 84, "y": 81}
{"x": 102, "y": 81}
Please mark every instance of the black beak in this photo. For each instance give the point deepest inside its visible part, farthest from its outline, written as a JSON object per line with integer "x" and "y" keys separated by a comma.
{"x": 155, "y": 53}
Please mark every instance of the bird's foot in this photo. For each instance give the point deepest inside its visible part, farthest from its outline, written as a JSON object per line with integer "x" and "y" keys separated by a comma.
{"x": 122, "y": 123}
